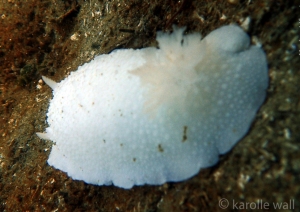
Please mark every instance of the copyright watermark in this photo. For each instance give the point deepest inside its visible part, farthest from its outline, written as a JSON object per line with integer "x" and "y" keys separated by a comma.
{"x": 259, "y": 204}
{"x": 223, "y": 203}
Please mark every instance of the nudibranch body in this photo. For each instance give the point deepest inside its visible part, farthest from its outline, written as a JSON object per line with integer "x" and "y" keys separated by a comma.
{"x": 155, "y": 115}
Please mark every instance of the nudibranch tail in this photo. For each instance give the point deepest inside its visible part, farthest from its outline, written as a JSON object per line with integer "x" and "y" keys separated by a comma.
{"x": 52, "y": 84}
{"x": 43, "y": 136}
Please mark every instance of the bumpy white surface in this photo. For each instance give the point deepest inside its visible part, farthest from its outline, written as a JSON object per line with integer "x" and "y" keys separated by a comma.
{"x": 149, "y": 116}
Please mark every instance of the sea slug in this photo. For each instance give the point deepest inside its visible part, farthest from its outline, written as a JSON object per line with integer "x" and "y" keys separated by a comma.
{"x": 155, "y": 115}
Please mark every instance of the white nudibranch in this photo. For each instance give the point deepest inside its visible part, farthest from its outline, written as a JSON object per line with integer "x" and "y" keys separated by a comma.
{"x": 156, "y": 115}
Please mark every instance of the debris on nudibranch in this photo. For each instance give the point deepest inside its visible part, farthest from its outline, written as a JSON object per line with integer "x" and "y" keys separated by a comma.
{"x": 150, "y": 116}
